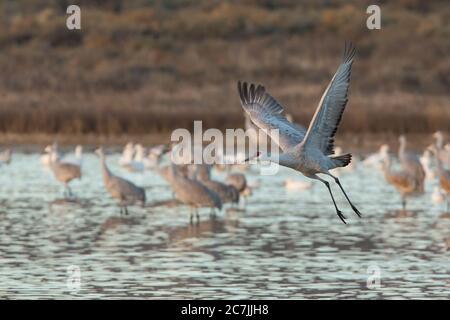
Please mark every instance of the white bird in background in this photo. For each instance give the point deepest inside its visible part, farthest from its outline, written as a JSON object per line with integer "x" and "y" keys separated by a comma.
{"x": 137, "y": 162}
{"x": 443, "y": 174}
{"x": 5, "y": 156}
{"x": 309, "y": 152}
{"x": 443, "y": 151}
{"x": 428, "y": 164}
{"x": 51, "y": 155}
{"x": 376, "y": 159}
{"x": 127, "y": 154}
{"x": 134, "y": 159}
{"x": 75, "y": 158}
{"x": 154, "y": 156}
{"x": 447, "y": 150}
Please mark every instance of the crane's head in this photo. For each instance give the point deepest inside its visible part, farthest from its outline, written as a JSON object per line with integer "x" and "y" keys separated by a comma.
{"x": 438, "y": 135}
{"x": 78, "y": 150}
{"x": 384, "y": 149}
{"x": 99, "y": 151}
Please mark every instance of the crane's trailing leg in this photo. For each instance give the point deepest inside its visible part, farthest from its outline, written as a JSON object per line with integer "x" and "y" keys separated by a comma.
{"x": 403, "y": 204}
{"x": 126, "y": 210}
{"x": 338, "y": 212}
{"x": 345, "y": 194}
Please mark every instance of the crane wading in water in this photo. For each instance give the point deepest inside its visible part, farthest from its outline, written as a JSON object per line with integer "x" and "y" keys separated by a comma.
{"x": 124, "y": 191}
{"x": 309, "y": 152}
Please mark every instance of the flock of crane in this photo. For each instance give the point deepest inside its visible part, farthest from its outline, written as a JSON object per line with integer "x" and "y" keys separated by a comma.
{"x": 191, "y": 185}
{"x": 310, "y": 151}
{"x": 194, "y": 186}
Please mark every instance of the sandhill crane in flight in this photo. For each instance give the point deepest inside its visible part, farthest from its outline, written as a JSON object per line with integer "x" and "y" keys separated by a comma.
{"x": 309, "y": 152}
{"x": 124, "y": 191}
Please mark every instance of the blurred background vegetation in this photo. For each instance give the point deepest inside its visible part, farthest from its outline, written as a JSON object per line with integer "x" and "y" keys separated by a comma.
{"x": 148, "y": 66}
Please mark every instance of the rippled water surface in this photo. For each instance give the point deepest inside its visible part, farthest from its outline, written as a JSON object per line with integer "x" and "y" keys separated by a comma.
{"x": 284, "y": 244}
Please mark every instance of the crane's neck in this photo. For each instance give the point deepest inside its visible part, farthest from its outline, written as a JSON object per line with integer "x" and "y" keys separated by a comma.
{"x": 173, "y": 170}
{"x": 439, "y": 142}
{"x": 402, "y": 148}
{"x": 105, "y": 171}
{"x": 139, "y": 155}
{"x": 440, "y": 167}
{"x": 78, "y": 152}
{"x": 386, "y": 167}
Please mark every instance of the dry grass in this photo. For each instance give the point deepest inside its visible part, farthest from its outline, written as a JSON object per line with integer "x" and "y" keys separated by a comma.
{"x": 143, "y": 67}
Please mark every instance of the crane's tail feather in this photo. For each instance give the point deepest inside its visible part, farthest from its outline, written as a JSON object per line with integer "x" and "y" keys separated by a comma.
{"x": 342, "y": 160}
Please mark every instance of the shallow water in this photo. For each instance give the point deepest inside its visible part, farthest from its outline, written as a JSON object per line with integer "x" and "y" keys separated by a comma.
{"x": 287, "y": 245}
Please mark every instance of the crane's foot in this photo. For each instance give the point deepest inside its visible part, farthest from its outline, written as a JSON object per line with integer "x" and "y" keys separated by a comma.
{"x": 341, "y": 216}
{"x": 356, "y": 211}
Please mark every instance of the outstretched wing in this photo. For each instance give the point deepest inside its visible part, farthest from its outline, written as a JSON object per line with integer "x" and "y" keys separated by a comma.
{"x": 325, "y": 121}
{"x": 266, "y": 113}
